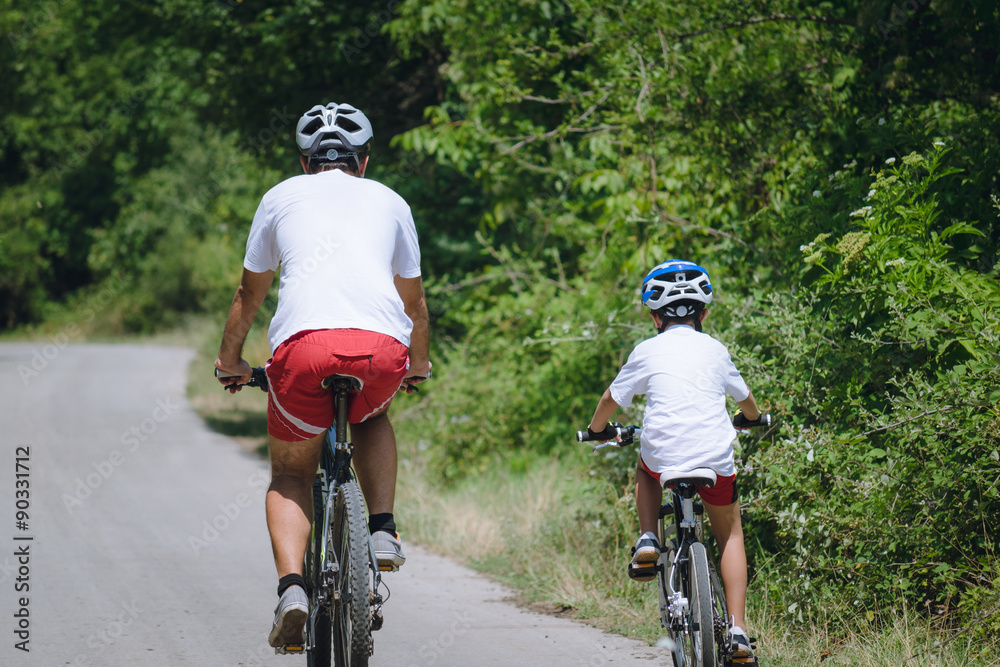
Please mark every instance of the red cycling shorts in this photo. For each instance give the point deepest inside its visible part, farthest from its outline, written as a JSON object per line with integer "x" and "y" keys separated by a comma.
{"x": 298, "y": 408}
{"x": 723, "y": 493}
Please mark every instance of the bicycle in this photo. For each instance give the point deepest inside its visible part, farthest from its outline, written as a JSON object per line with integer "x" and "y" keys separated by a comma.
{"x": 340, "y": 568}
{"x": 691, "y": 597}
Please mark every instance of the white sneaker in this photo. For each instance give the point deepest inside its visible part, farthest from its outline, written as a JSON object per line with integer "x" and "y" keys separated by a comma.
{"x": 741, "y": 644}
{"x": 645, "y": 553}
{"x": 388, "y": 550}
{"x": 290, "y": 618}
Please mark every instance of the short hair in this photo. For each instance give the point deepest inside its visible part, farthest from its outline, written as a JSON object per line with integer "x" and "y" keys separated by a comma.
{"x": 350, "y": 162}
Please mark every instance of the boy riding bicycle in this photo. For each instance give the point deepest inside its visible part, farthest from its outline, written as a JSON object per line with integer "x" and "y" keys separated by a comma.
{"x": 685, "y": 375}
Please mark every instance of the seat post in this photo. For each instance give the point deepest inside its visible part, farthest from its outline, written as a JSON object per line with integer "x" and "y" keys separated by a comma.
{"x": 340, "y": 401}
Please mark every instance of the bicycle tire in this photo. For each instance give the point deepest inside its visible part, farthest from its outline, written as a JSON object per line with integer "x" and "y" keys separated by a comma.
{"x": 351, "y": 622}
{"x": 319, "y": 656}
{"x": 720, "y": 616}
{"x": 703, "y": 636}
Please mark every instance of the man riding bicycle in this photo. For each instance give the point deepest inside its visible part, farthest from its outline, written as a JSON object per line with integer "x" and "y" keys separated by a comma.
{"x": 350, "y": 302}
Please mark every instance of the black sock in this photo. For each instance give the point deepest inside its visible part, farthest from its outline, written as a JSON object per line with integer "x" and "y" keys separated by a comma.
{"x": 290, "y": 580}
{"x": 384, "y": 521}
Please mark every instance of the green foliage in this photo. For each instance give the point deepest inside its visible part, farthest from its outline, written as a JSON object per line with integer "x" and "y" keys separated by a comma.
{"x": 607, "y": 140}
{"x": 881, "y": 490}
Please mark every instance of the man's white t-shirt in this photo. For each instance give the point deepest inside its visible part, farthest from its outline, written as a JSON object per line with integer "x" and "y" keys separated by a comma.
{"x": 685, "y": 376}
{"x": 339, "y": 241}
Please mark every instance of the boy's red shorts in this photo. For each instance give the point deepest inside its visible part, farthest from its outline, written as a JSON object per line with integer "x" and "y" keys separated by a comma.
{"x": 723, "y": 493}
{"x": 298, "y": 408}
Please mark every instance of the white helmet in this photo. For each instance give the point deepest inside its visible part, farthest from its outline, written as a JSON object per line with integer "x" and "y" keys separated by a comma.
{"x": 332, "y": 131}
{"x": 677, "y": 287}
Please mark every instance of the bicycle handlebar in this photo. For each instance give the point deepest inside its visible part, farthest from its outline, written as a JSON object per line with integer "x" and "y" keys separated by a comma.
{"x": 624, "y": 435}
{"x": 743, "y": 425}
{"x": 258, "y": 378}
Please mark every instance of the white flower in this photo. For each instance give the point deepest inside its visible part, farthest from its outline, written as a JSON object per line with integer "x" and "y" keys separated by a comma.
{"x": 881, "y": 121}
{"x": 863, "y": 211}
{"x": 890, "y": 160}
{"x": 830, "y": 178}
{"x": 817, "y": 193}
{"x": 939, "y": 143}
{"x": 803, "y": 248}
{"x": 871, "y": 193}
{"x": 896, "y": 262}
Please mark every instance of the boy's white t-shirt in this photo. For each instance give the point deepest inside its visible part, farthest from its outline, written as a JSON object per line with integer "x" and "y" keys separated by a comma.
{"x": 339, "y": 240}
{"x": 685, "y": 376}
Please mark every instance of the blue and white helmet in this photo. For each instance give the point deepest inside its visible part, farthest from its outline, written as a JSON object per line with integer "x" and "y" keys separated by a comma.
{"x": 332, "y": 131}
{"x": 677, "y": 287}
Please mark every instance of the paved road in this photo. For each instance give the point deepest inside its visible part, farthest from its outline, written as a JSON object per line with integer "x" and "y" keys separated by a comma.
{"x": 148, "y": 545}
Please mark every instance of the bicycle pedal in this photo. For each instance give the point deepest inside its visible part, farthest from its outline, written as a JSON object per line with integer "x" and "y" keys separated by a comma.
{"x": 289, "y": 649}
{"x": 643, "y": 571}
{"x": 387, "y": 567}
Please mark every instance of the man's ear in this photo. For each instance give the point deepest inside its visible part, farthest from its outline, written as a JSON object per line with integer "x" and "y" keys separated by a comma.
{"x": 305, "y": 163}
{"x": 364, "y": 165}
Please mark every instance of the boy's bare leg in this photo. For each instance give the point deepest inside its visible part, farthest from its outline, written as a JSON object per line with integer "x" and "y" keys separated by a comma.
{"x": 648, "y": 498}
{"x": 728, "y": 530}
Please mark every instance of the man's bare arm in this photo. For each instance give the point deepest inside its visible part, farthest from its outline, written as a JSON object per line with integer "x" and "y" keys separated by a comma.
{"x": 411, "y": 291}
{"x": 246, "y": 302}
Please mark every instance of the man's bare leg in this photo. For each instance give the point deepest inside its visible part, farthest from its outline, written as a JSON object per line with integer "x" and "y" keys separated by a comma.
{"x": 375, "y": 462}
{"x": 289, "y": 502}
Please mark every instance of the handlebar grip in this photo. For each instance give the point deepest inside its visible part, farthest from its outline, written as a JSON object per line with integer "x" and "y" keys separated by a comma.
{"x": 626, "y": 433}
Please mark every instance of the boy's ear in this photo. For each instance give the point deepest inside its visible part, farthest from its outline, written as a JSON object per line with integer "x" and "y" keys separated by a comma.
{"x": 657, "y": 321}
{"x": 703, "y": 315}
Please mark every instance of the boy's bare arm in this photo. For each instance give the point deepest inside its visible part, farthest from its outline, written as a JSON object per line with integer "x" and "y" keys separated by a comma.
{"x": 749, "y": 407}
{"x": 606, "y": 407}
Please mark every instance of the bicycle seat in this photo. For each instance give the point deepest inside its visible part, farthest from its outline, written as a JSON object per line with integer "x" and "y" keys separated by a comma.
{"x": 698, "y": 476}
{"x": 356, "y": 384}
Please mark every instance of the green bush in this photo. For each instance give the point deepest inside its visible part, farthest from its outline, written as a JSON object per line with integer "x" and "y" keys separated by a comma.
{"x": 881, "y": 490}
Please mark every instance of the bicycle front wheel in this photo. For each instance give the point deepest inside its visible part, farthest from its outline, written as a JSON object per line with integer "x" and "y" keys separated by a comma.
{"x": 352, "y": 633}
{"x": 702, "y": 623}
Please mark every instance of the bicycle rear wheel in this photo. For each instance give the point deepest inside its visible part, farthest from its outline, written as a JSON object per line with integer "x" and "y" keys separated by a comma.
{"x": 678, "y": 653}
{"x": 319, "y": 656}
{"x": 702, "y": 624}
{"x": 351, "y": 622}
{"x": 720, "y": 617}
